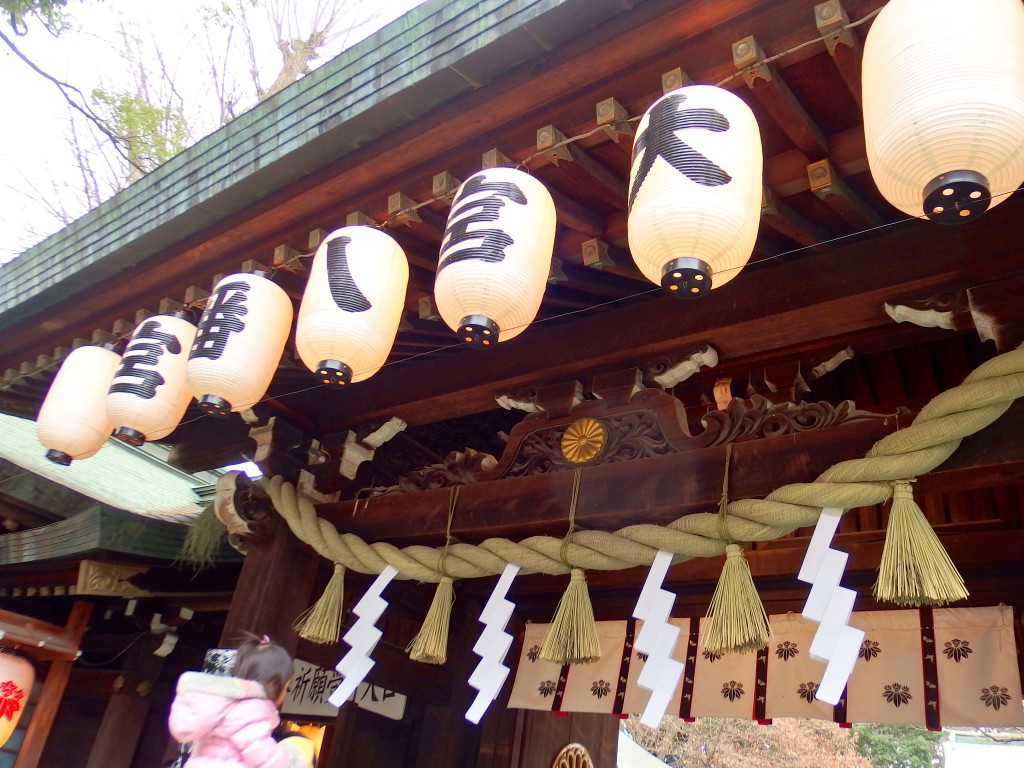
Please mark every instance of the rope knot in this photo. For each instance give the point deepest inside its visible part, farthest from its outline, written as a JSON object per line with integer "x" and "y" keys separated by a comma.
{"x": 902, "y": 490}
{"x": 733, "y": 550}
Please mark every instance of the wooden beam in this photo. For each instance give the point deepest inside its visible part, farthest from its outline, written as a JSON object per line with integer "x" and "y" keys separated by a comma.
{"x": 651, "y": 490}
{"x": 806, "y": 304}
{"x": 843, "y": 45}
{"x": 779, "y": 216}
{"x": 53, "y": 688}
{"x": 833, "y": 190}
{"x": 772, "y": 93}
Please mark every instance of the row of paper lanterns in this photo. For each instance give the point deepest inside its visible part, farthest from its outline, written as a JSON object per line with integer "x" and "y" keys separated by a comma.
{"x": 944, "y": 123}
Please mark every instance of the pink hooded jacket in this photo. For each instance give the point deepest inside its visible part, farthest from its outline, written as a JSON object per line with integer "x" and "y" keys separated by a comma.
{"x": 229, "y": 721}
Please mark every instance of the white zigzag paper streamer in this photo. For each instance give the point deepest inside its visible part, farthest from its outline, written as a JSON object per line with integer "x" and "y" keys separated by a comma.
{"x": 492, "y": 646}
{"x": 657, "y": 638}
{"x": 363, "y": 638}
{"x": 835, "y": 643}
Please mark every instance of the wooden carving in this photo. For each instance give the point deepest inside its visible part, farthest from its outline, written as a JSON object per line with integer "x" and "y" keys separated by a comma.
{"x": 759, "y": 417}
{"x": 651, "y": 423}
{"x": 573, "y": 756}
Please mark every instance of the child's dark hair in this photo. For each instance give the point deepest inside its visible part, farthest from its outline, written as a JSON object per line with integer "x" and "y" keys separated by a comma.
{"x": 265, "y": 662}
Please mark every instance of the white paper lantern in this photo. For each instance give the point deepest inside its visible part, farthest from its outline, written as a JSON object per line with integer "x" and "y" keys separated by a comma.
{"x": 16, "y": 678}
{"x": 695, "y": 189}
{"x": 239, "y": 343}
{"x": 944, "y": 105}
{"x": 72, "y": 422}
{"x": 495, "y": 256}
{"x": 149, "y": 395}
{"x": 352, "y": 305}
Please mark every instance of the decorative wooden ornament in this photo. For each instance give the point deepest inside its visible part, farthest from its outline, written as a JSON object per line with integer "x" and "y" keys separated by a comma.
{"x": 239, "y": 343}
{"x": 495, "y": 256}
{"x": 573, "y": 756}
{"x": 584, "y": 440}
{"x": 16, "y": 678}
{"x": 944, "y": 105}
{"x": 72, "y": 422}
{"x": 695, "y": 190}
{"x": 352, "y": 305}
{"x": 149, "y": 395}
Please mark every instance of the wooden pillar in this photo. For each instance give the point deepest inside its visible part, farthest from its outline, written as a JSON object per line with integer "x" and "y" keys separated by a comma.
{"x": 544, "y": 734}
{"x": 53, "y": 690}
{"x": 447, "y": 739}
{"x": 274, "y": 587}
{"x": 125, "y": 716}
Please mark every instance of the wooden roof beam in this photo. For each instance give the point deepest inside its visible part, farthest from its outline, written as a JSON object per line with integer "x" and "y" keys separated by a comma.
{"x": 555, "y": 148}
{"x": 780, "y": 217}
{"x": 833, "y": 190}
{"x": 777, "y": 99}
{"x": 843, "y": 45}
{"x": 826, "y": 296}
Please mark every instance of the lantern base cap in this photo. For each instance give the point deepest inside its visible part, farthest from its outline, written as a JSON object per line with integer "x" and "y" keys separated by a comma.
{"x": 333, "y": 372}
{"x": 956, "y": 197}
{"x": 214, "y": 405}
{"x": 478, "y": 331}
{"x": 686, "y": 277}
{"x": 129, "y": 436}
{"x": 59, "y": 457}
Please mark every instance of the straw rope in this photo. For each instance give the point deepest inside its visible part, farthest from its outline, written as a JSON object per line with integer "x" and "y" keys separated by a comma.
{"x": 933, "y": 437}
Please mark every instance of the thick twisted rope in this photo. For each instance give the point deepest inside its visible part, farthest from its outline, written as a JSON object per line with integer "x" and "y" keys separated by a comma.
{"x": 933, "y": 437}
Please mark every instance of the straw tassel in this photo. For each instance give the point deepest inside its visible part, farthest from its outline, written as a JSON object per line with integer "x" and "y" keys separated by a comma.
{"x": 321, "y": 623}
{"x": 572, "y": 636}
{"x": 431, "y": 643}
{"x": 737, "y": 621}
{"x": 916, "y": 569}
{"x": 203, "y": 540}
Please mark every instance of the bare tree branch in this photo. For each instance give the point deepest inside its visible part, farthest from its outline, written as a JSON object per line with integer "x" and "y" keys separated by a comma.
{"x": 76, "y": 99}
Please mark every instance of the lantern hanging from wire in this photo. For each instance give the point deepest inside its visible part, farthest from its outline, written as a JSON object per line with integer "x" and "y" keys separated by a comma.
{"x": 944, "y": 105}
{"x": 695, "y": 190}
{"x": 495, "y": 256}
{"x": 72, "y": 422}
{"x": 352, "y": 305}
{"x": 239, "y": 343}
{"x": 17, "y": 675}
{"x": 149, "y": 395}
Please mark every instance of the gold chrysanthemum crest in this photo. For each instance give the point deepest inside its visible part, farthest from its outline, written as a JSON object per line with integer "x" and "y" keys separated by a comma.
{"x": 584, "y": 440}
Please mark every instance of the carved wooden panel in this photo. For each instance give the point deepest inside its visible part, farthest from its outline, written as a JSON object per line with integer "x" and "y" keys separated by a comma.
{"x": 573, "y": 756}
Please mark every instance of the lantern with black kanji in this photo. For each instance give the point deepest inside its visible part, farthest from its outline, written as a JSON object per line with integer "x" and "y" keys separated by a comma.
{"x": 149, "y": 395}
{"x": 495, "y": 256}
{"x": 239, "y": 343}
{"x": 352, "y": 305}
{"x": 695, "y": 190}
{"x": 944, "y": 105}
{"x": 16, "y": 678}
{"x": 72, "y": 422}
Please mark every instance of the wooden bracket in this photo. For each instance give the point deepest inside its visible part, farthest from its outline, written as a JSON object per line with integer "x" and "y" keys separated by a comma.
{"x": 445, "y": 185}
{"x": 826, "y": 183}
{"x": 400, "y": 209}
{"x": 550, "y": 143}
{"x": 614, "y": 119}
{"x": 427, "y": 310}
{"x": 673, "y": 79}
{"x": 495, "y": 158}
{"x": 777, "y": 99}
{"x": 358, "y": 218}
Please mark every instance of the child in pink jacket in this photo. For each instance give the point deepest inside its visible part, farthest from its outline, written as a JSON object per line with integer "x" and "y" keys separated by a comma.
{"x": 229, "y": 719}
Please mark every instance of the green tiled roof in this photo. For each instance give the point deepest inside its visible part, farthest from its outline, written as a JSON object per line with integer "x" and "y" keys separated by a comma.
{"x": 425, "y": 58}
{"x": 100, "y": 529}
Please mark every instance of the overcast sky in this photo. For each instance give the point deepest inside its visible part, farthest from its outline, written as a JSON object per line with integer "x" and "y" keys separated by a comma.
{"x": 35, "y": 159}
